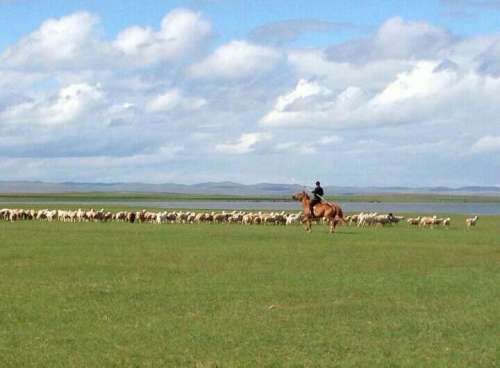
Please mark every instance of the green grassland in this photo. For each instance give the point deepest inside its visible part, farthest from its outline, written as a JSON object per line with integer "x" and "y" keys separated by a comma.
{"x": 110, "y": 197}
{"x": 130, "y": 295}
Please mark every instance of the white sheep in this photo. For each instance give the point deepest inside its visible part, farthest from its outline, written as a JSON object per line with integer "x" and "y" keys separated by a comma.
{"x": 471, "y": 221}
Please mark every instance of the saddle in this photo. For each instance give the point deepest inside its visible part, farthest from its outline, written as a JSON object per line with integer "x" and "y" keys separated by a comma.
{"x": 312, "y": 210}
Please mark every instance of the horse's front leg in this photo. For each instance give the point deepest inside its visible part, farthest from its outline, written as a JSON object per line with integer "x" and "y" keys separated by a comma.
{"x": 307, "y": 224}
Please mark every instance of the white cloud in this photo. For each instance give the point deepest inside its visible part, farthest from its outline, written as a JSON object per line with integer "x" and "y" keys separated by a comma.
{"x": 85, "y": 168}
{"x": 310, "y": 105}
{"x": 401, "y": 39}
{"x": 487, "y": 144}
{"x": 74, "y": 42}
{"x": 71, "y": 103}
{"x": 134, "y": 40}
{"x": 423, "y": 94}
{"x": 181, "y": 34}
{"x": 235, "y": 61}
{"x": 245, "y": 144}
{"x": 421, "y": 81}
{"x": 12, "y": 81}
{"x": 396, "y": 39}
{"x": 174, "y": 99}
{"x": 408, "y": 99}
{"x": 330, "y": 139}
{"x": 314, "y": 64}
{"x": 303, "y": 90}
{"x": 295, "y": 148}
{"x": 69, "y": 41}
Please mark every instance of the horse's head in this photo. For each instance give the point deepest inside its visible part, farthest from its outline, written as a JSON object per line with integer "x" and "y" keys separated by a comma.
{"x": 299, "y": 196}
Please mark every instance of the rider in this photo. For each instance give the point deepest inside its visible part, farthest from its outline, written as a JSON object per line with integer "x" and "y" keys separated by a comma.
{"x": 318, "y": 193}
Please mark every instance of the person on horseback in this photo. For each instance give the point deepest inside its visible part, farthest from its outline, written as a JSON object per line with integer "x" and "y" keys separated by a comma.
{"x": 318, "y": 193}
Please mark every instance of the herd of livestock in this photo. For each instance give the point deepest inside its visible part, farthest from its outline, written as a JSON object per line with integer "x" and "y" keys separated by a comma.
{"x": 235, "y": 217}
{"x": 366, "y": 219}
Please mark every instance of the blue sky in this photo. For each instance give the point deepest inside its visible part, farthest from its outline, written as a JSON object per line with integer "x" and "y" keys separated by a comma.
{"x": 370, "y": 93}
{"x": 236, "y": 18}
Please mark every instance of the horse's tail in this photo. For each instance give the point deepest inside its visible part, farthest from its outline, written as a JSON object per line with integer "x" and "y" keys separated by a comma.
{"x": 340, "y": 215}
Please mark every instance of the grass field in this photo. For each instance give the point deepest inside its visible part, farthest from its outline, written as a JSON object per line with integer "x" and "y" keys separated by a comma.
{"x": 122, "y": 295}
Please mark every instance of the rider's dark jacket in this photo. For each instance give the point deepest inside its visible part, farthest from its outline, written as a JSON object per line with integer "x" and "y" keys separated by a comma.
{"x": 317, "y": 191}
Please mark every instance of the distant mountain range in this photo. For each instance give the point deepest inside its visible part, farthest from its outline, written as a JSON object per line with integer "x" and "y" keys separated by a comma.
{"x": 225, "y": 188}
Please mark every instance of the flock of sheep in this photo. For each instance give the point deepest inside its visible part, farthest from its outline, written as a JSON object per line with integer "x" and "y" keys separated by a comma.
{"x": 183, "y": 217}
{"x": 235, "y": 217}
{"x": 435, "y": 221}
{"x": 367, "y": 219}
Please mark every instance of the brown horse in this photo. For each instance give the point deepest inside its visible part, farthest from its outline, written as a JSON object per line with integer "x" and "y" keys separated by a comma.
{"x": 331, "y": 212}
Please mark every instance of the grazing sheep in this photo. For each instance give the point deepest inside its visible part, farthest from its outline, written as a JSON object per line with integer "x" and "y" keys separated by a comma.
{"x": 352, "y": 219}
{"x": 438, "y": 221}
{"x": 427, "y": 221}
{"x": 185, "y": 217}
{"x": 121, "y": 216}
{"x": 367, "y": 219}
{"x": 220, "y": 218}
{"x": 397, "y": 219}
{"x": 4, "y": 214}
{"x": 384, "y": 219}
{"x": 191, "y": 217}
{"x": 51, "y": 215}
{"x": 293, "y": 219}
{"x": 247, "y": 219}
{"x": 471, "y": 221}
{"x": 131, "y": 217}
{"x": 414, "y": 221}
{"x": 257, "y": 220}
{"x": 199, "y": 217}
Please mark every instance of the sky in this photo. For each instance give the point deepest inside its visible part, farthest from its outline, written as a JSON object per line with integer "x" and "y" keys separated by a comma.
{"x": 392, "y": 93}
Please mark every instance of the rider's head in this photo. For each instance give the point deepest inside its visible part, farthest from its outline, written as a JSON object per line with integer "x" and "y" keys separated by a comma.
{"x": 317, "y": 184}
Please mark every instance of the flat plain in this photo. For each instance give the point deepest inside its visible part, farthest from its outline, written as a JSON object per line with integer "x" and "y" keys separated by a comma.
{"x": 155, "y": 197}
{"x": 206, "y": 295}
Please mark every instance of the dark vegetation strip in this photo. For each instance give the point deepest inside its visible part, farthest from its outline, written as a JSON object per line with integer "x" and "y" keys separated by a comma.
{"x": 105, "y": 197}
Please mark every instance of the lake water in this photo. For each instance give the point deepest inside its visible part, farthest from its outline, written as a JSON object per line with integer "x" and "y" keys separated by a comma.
{"x": 423, "y": 208}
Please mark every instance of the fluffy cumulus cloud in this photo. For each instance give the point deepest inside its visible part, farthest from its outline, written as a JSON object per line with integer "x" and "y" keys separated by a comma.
{"x": 430, "y": 91}
{"x": 235, "y": 61}
{"x": 70, "y": 104}
{"x": 181, "y": 33}
{"x": 70, "y": 41}
{"x": 408, "y": 103}
{"x": 310, "y": 104}
{"x": 75, "y": 42}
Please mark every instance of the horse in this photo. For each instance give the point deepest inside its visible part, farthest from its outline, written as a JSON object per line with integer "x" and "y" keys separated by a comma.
{"x": 331, "y": 212}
